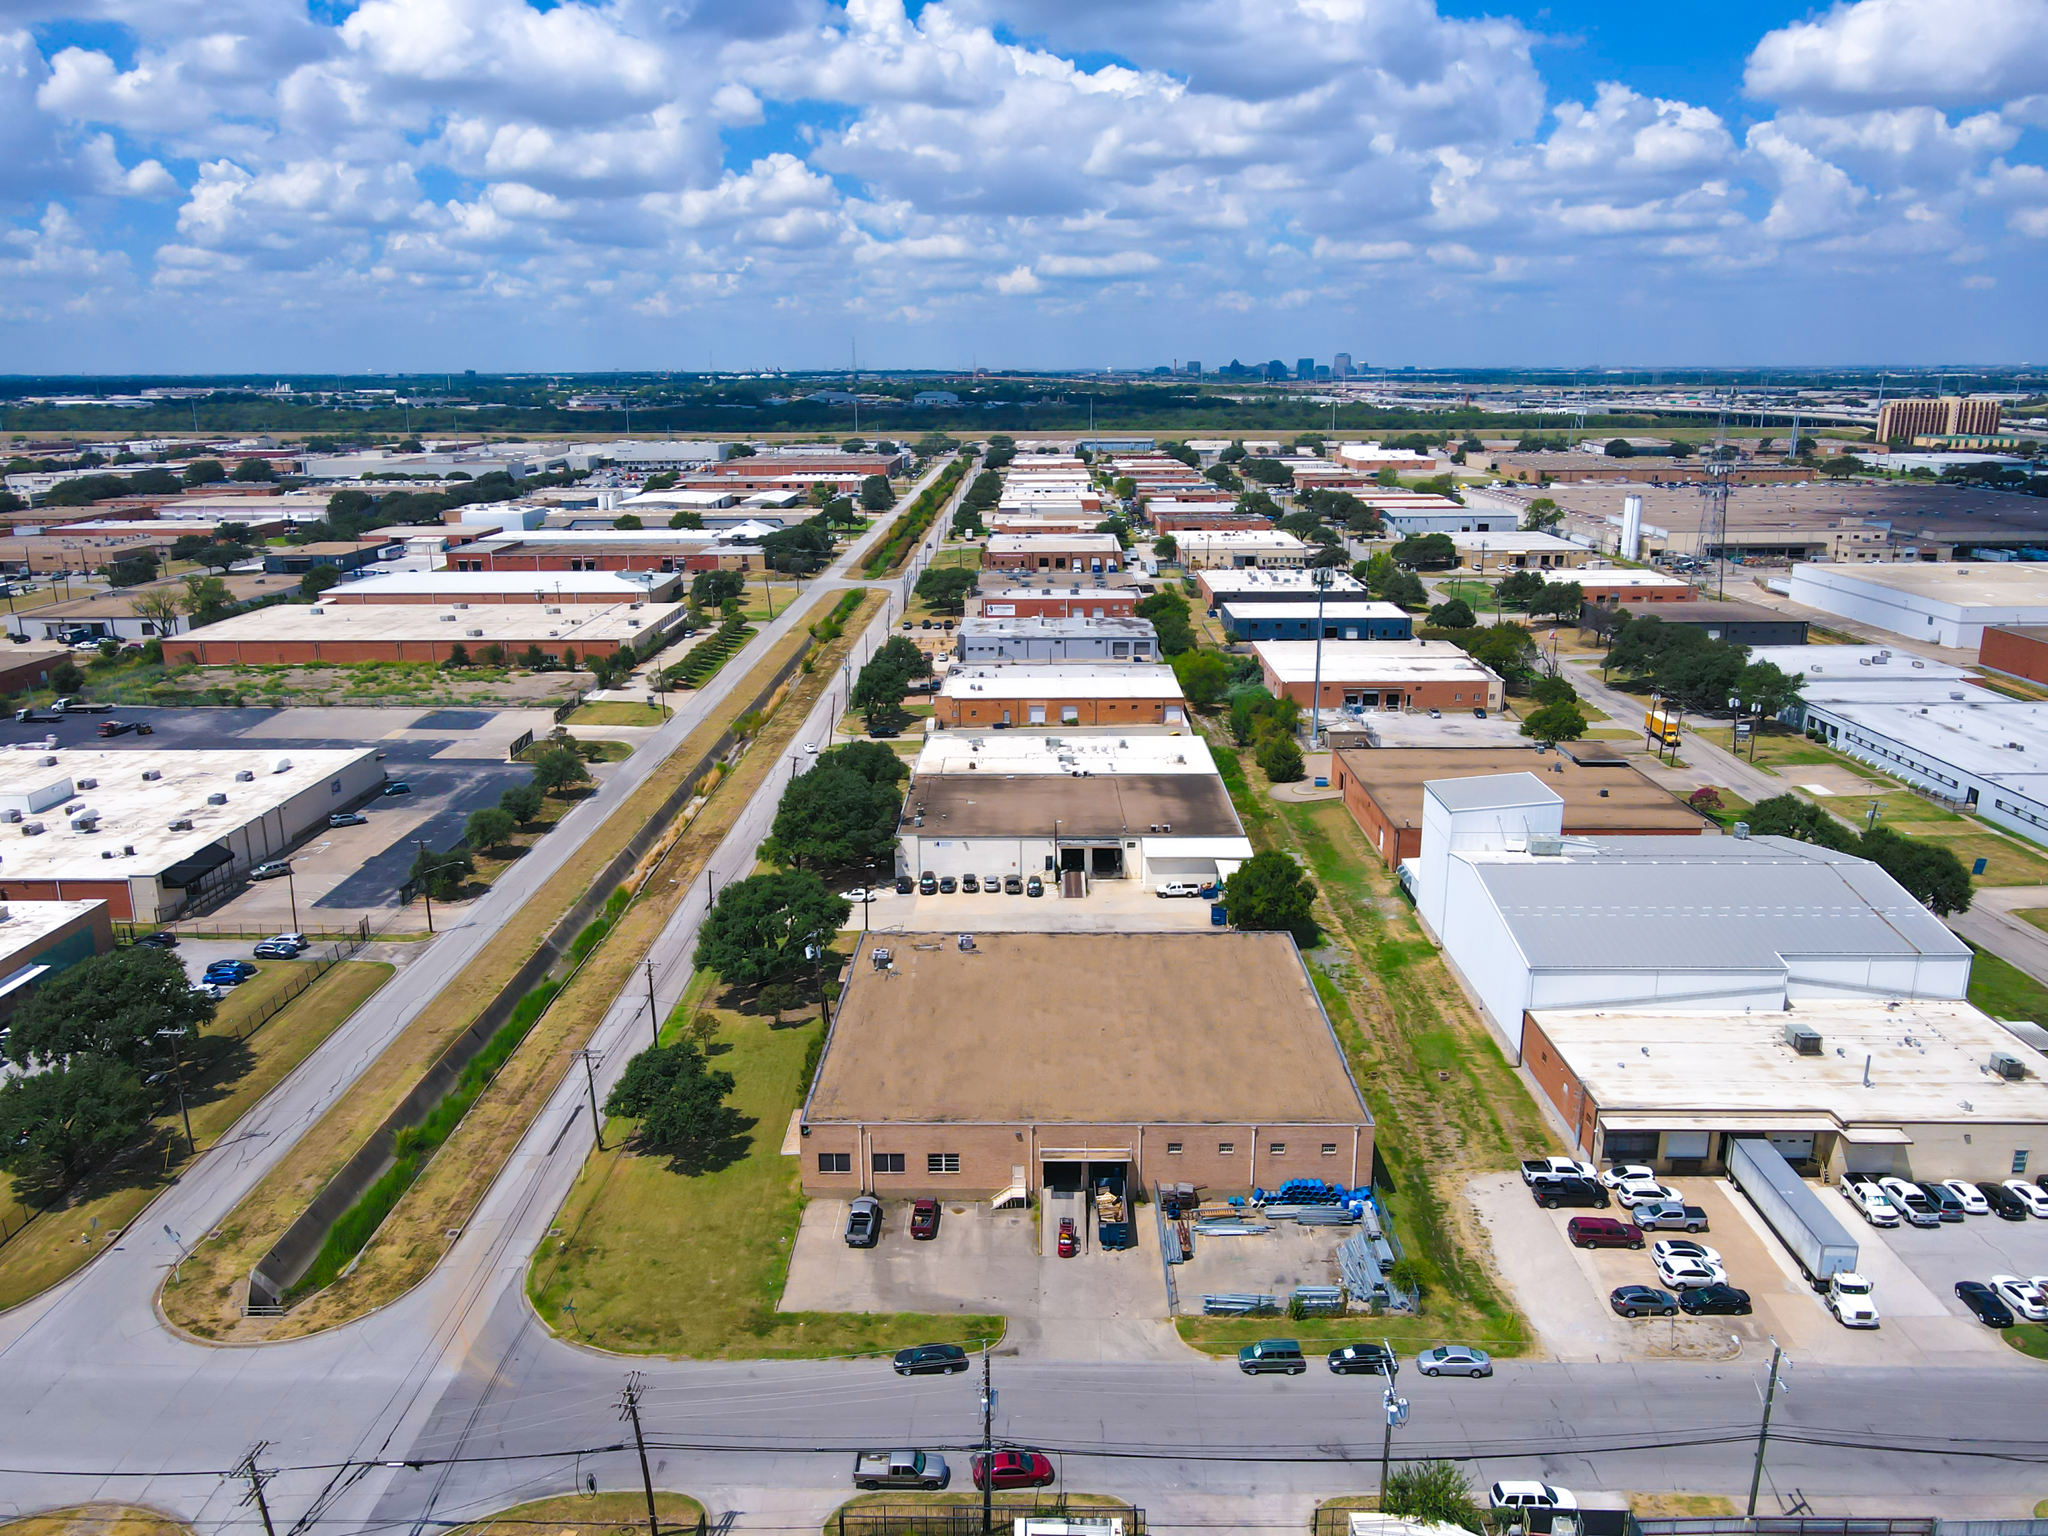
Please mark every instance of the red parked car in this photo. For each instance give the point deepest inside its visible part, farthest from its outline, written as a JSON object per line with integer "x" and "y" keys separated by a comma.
{"x": 1012, "y": 1469}
{"x": 924, "y": 1220}
{"x": 1069, "y": 1244}
{"x": 1602, "y": 1232}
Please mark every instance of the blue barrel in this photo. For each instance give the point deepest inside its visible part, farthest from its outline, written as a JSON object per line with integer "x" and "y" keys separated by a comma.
{"x": 1217, "y": 917}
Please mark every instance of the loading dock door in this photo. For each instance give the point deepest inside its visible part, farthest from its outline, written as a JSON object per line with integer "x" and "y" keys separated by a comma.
{"x": 1106, "y": 863}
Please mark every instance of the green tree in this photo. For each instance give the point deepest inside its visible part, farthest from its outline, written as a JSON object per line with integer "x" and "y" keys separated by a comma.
{"x": 1405, "y": 589}
{"x": 888, "y": 717}
{"x": 1553, "y": 688}
{"x": 626, "y": 522}
{"x": 1280, "y": 759}
{"x": 870, "y": 759}
{"x": 694, "y": 520}
{"x": 1619, "y": 448}
{"x": 681, "y": 1105}
{"x": 711, "y": 589}
{"x": 1508, "y": 648}
{"x": 1929, "y": 870}
{"x": 66, "y": 678}
{"x": 158, "y": 608}
{"x": 489, "y": 826}
{"x": 1454, "y": 614}
{"x": 1563, "y": 721}
{"x": 833, "y": 816}
{"x": 1543, "y": 515}
{"x": 1789, "y": 816}
{"x": 1204, "y": 676}
{"x": 253, "y": 471}
{"x": 557, "y": 765}
{"x": 223, "y": 556}
{"x": 1763, "y": 690}
{"x": 458, "y": 658}
{"x": 875, "y": 494}
{"x": 1561, "y": 599}
{"x": 945, "y": 587}
{"x": 1426, "y": 552}
{"x": 119, "y": 1005}
{"x": 318, "y": 580}
{"x": 204, "y": 472}
{"x": 69, "y": 1119}
{"x": 1166, "y": 547}
{"x": 757, "y": 930}
{"x": 1270, "y": 894}
{"x": 1433, "y": 1491}
{"x": 522, "y": 802}
{"x": 1168, "y": 612}
{"x": 441, "y": 875}
{"x": 1518, "y": 589}
{"x": 133, "y": 570}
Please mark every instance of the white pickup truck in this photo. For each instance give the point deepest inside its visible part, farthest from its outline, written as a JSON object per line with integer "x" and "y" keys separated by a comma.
{"x": 898, "y": 1469}
{"x": 1872, "y": 1203}
{"x": 1534, "y": 1168}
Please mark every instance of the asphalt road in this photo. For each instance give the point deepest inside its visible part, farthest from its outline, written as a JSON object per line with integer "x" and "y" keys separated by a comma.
{"x": 455, "y": 1400}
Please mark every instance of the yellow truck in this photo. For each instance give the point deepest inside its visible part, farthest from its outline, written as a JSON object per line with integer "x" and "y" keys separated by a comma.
{"x": 1660, "y": 723}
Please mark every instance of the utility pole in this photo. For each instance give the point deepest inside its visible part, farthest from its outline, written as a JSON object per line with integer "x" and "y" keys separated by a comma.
{"x": 1322, "y": 576}
{"x": 653, "y": 1013}
{"x": 1397, "y": 1414}
{"x": 1763, "y": 1434}
{"x": 425, "y": 888}
{"x": 988, "y": 1444}
{"x": 590, "y": 1078}
{"x": 257, "y": 1478}
{"x": 629, "y": 1408}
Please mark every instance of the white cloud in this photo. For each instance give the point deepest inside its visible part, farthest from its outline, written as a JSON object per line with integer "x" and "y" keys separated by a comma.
{"x": 1903, "y": 52}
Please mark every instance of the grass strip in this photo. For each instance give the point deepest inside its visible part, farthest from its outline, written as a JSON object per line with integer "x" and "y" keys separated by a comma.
{"x": 704, "y": 660}
{"x": 98, "y": 1520}
{"x": 207, "y": 1298}
{"x": 591, "y": 1514}
{"x": 912, "y": 525}
{"x": 833, "y": 625}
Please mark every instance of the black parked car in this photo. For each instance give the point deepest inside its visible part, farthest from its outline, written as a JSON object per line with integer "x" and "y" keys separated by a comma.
{"x": 905, "y": 885}
{"x": 1361, "y": 1360}
{"x": 2003, "y": 1202}
{"x": 1983, "y": 1301}
{"x": 931, "y": 1360}
{"x": 1714, "y": 1301}
{"x": 1552, "y": 1193}
{"x": 159, "y": 940}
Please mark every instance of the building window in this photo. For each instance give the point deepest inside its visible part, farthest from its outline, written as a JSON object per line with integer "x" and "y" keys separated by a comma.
{"x": 1173, "y": 1149}
{"x": 2019, "y": 1161}
{"x": 1329, "y": 1149}
{"x": 941, "y": 1162}
{"x": 888, "y": 1162}
{"x": 1225, "y": 1148}
{"x": 1276, "y": 1149}
{"x": 835, "y": 1162}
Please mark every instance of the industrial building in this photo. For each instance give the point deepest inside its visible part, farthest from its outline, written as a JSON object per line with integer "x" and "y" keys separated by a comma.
{"x": 342, "y": 634}
{"x": 1052, "y": 694}
{"x": 1949, "y": 605}
{"x": 1738, "y": 623}
{"x": 111, "y": 615}
{"x": 335, "y": 555}
{"x": 1043, "y": 639}
{"x": 1056, "y": 602}
{"x": 1236, "y": 549}
{"x": 1483, "y": 552}
{"x": 1089, "y": 806}
{"x": 1093, "y": 552}
{"x": 2017, "y": 652}
{"x": 1915, "y": 1088}
{"x": 1530, "y": 919}
{"x": 1344, "y": 619}
{"x": 147, "y": 830}
{"x": 1377, "y": 674}
{"x": 587, "y": 549}
{"x": 1624, "y": 586}
{"x": 38, "y": 939}
{"x": 1236, "y": 587}
{"x": 1239, "y": 1083}
{"x": 1448, "y": 517}
{"x": 549, "y": 588}
{"x": 1604, "y": 795}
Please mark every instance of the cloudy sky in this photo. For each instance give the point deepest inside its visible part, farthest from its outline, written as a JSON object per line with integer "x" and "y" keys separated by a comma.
{"x": 194, "y": 185}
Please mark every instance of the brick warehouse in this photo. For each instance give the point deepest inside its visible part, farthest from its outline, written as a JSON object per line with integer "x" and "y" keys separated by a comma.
{"x": 1246, "y": 1085}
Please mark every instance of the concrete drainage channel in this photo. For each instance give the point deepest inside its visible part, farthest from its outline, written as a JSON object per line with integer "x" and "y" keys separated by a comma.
{"x": 273, "y": 1276}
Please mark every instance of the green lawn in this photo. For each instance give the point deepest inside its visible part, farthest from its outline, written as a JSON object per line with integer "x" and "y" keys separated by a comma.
{"x": 2005, "y": 991}
{"x": 591, "y": 1514}
{"x": 2029, "y": 1339}
{"x": 1477, "y": 594}
{"x": 620, "y": 712}
{"x": 654, "y": 1261}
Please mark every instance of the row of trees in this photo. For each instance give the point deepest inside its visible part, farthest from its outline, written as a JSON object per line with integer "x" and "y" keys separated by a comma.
{"x": 1929, "y": 870}
{"x": 558, "y": 768}
{"x": 1699, "y": 673}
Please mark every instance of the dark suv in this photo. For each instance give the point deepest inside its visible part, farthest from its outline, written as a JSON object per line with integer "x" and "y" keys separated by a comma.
{"x": 1282, "y": 1355}
{"x": 1551, "y": 1193}
{"x": 2003, "y": 1202}
{"x": 1602, "y": 1232}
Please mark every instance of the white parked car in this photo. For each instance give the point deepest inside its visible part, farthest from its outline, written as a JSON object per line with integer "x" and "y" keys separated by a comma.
{"x": 1524, "y": 1495}
{"x": 1874, "y": 1204}
{"x": 1689, "y": 1274}
{"x": 1627, "y": 1173}
{"x": 1676, "y": 1248}
{"x": 1850, "y": 1300}
{"x": 2031, "y": 1196}
{"x": 1974, "y": 1203}
{"x": 858, "y": 895}
{"x": 2025, "y": 1297}
{"x": 1643, "y": 1189}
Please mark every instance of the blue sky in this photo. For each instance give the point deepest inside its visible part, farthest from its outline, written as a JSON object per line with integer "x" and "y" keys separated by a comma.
{"x": 194, "y": 185}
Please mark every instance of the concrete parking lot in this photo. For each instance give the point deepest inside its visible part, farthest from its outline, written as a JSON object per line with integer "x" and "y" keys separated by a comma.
{"x": 1564, "y": 1290}
{"x": 1096, "y": 1306}
{"x": 1937, "y": 1257}
{"x": 1267, "y": 1264}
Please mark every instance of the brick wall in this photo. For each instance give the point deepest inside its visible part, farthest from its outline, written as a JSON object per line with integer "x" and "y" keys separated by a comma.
{"x": 1390, "y": 840}
{"x": 1063, "y": 605}
{"x": 978, "y": 709}
{"x": 2006, "y": 650}
{"x": 341, "y": 653}
{"x": 1559, "y": 1083}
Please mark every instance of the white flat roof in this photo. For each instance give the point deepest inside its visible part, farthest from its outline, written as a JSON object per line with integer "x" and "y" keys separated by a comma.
{"x": 1965, "y": 584}
{"x": 617, "y": 586}
{"x": 601, "y": 536}
{"x": 480, "y": 624}
{"x": 1028, "y": 543}
{"x": 137, "y": 812}
{"x": 1294, "y": 661}
{"x": 1259, "y": 579}
{"x": 1601, "y": 577}
{"x": 1332, "y": 608}
{"x": 1856, "y": 663}
{"x": 1064, "y": 752}
{"x": 1112, "y": 626}
{"x": 27, "y": 923}
{"x": 1926, "y": 1063}
{"x": 1040, "y": 680}
{"x": 683, "y": 499}
{"x": 1510, "y": 543}
{"x": 1999, "y": 740}
{"x": 1236, "y": 538}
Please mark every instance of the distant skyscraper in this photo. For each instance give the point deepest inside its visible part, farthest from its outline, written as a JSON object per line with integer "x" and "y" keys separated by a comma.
{"x": 1340, "y": 365}
{"x": 1193, "y": 365}
{"x": 1305, "y": 368}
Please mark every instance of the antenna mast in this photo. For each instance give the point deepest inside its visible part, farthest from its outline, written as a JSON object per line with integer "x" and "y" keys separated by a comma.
{"x": 1715, "y": 488}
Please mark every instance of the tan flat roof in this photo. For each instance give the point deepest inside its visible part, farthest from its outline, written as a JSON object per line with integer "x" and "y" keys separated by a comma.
{"x": 1596, "y": 799}
{"x": 1140, "y": 1028}
{"x": 479, "y": 623}
{"x": 1103, "y": 805}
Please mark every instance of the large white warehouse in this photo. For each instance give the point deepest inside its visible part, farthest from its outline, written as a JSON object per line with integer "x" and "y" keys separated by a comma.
{"x": 1947, "y": 605}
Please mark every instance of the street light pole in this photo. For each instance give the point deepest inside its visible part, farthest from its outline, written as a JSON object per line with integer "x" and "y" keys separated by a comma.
{"x": 1322, "y": 576}
{"x": 426, "y": 885}
{"x": 291, "y": 886}
{"x": 653, "y": 1014}
{"x": 1397, "y": 1413}
{"x": 1763, "y": 1434}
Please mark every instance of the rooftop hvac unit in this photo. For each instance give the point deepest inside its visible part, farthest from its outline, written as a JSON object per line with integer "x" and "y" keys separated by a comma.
{"x": 2007, "y": 1066}
{"x": 151, "y": 775}
{"x": 32, "y": 829}
{"x": 463, "y": 606}
{"x": 245, "y": 776}
{"x": 46, "y": 762}
{"x": 551, "y": 610}
{"x": 128, "y": 849}
{"x": 1545, "y": 845}
{"x": 630, "y": 624}
{"x": 107, "y": 853}
{"x": 217, "y": 798}
{"x": 88, "y": 783}
{"x": 474, "y": 634}
{"x": 182, "y": 824}
{"x": 1803, "y": 1038}
{"x": 85, "y": 823}
{"x": 319, "y": 611}
{"x": 447, "y": 618}
{"x": 10, "y": 816}
{"x": 282, "y": 765}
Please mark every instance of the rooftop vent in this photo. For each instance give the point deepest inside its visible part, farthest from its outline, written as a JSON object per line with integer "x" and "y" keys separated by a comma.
{"x": 88, "y": 783}
{"x": 474, "y": 634}
{"x": 2005, "y": 1065}
{"x": 551, "y": 610}
{"x": 245, "y": 776}
{"x": 282, "y": 765}
{"x": 217, "y": 798}
{"x": 1740, "y": 829}
{"x": 182, "y": 824}
{"x": 128, "y": 849}
{"x": 151, "y": 775}
{"x": 32, "y": 829}
{"x": 1803, "y": 1038}
{"x": 46, "y": 762}
{"x": 463, "y": 606}
{"x": 447, "y": 618}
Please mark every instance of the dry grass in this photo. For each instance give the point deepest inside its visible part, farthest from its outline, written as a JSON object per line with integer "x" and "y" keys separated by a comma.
{"x": 61, "y": 1241}
{"x": 1678, "y": 1506}
{"x": 1051, "y": 1500}
{"x": 413, "y": 1238}
{"x": 98, "y": 1520}
{"x": 590, "y": 1514}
